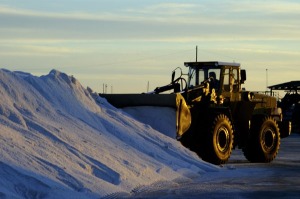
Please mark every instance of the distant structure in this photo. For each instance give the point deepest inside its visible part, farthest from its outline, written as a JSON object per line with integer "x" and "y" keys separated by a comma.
{"x": 287, "y": 86}
{"x": 290, "y": 103}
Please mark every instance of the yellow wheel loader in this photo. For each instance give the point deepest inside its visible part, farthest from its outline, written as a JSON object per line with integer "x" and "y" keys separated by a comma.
{"x": 213, "y": 114}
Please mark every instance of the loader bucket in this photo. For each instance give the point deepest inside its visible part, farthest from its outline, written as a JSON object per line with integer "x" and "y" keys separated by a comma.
{"x": 175, "y": 101}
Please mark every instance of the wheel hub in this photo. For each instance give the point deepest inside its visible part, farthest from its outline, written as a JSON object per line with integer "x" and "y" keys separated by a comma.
{"x": 223, "y": 139}
{"x": 268, "y": 140}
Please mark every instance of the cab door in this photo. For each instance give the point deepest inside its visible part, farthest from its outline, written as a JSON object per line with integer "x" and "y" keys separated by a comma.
{"x": 231, "y": 87}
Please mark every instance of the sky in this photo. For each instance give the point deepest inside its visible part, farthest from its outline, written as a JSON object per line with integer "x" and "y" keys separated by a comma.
{"x": 128, "y": 45}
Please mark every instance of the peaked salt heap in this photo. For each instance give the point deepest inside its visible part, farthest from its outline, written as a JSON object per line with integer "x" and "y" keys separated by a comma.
{"x": 59, "y": 140}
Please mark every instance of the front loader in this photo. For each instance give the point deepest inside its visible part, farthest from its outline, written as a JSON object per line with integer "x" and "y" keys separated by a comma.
{"x": 214, "y": 115}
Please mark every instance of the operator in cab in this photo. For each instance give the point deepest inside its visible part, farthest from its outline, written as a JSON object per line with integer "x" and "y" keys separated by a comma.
{"x": 213, "y": 81}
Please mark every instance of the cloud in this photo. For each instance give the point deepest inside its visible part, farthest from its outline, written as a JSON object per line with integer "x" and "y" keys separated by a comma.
{"x": 124, "y": 15}
{"x": 36, "y": 50}
{"x": 266, "y": 7}
{"x": 7, "y": 10}
{"x": 169, "y": 22}
{"x": 165, "y": 9}
{"x": 187, "y": 23}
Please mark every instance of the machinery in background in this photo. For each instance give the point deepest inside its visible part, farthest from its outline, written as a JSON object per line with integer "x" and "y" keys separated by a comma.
{"x": 290, "y": 103}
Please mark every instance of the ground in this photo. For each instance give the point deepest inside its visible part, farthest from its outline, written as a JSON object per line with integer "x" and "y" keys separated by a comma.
{"x": 240, "y": 179}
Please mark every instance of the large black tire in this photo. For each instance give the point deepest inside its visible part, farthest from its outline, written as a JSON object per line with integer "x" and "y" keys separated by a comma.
{"x": 217, "y": 143}
{"x": 264, "y": 140}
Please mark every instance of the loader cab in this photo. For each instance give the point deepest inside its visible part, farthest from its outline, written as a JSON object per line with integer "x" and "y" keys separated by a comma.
{"x": 228, "y": 78}
{"x": 200, "y": 72}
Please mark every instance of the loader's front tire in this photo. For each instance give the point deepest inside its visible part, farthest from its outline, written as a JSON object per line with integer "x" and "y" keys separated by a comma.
{"x": 264, "y": 140}
{"x": 217, "y": 143}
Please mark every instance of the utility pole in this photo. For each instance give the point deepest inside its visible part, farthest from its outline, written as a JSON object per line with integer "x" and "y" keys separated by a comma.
{"x": 148, "y": 87}
{"x": 266, "y": 78}
{"x": 196, "y": 53}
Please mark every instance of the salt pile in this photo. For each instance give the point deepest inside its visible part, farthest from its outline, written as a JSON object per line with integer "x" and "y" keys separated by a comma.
{"x": 60, "y": 140}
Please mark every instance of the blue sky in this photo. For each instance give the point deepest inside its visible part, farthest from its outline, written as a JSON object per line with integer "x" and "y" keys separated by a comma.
{"x": 125, "y": 44}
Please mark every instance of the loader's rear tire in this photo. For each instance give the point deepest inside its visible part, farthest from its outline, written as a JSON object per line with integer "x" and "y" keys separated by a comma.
{"x": 264, "y": 140}
{"x": 217, "y": 143}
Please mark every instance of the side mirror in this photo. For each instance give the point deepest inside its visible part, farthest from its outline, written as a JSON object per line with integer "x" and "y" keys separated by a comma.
{"x": 173, "y": 76}
{"x": 243, "y": 76}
